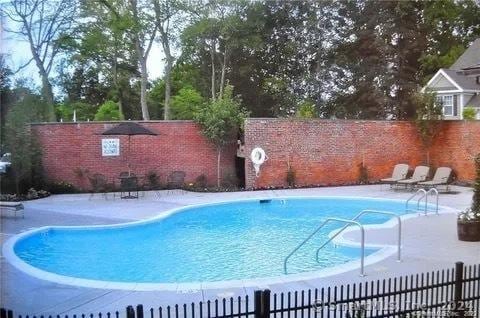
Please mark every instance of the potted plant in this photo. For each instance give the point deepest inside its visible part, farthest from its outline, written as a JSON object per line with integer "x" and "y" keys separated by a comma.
{"x": 468, "y": 222}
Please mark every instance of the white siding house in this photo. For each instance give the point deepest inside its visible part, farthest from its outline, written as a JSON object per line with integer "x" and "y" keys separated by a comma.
{"x": 459, "y": 86}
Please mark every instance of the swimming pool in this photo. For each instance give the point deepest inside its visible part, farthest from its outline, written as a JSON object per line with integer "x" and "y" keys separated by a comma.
{"x": 235, "y": 240}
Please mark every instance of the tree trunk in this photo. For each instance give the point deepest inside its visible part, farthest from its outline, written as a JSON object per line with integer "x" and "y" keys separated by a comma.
{"x": 115, "y": 83}
{"x": 212, "y": 58}
{"x": 142, "y": 62}
{"x": 47, "y": 93}
{"x": 224, "y": 66}
{"x": 219, "y": 177}
{"x": 143, "y": 87}
{"x": 168, "y": 88}
{"x": 168, "y": 72}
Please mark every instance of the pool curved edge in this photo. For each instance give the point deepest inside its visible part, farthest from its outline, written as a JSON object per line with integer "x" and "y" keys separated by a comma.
{"x": 384, "y": 252}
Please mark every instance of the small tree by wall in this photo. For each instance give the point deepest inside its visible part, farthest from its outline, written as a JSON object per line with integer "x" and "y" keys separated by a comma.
{"x": 428, "y": 119}
{"x": 220, "y": 121}
{"x": 25, "y": 152}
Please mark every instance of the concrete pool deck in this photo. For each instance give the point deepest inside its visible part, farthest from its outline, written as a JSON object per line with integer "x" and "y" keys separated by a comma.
{"x": 429, "y": 243}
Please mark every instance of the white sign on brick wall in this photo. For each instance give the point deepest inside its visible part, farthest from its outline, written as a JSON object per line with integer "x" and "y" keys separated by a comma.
{"x": 110, "y": 147}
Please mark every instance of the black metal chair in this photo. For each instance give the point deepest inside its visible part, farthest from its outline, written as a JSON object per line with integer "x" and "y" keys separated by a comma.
{"x": 100, "y": 184}
{"x": 128, "y": 186}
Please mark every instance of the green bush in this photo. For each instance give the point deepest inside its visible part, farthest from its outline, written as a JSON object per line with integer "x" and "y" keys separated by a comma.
{"x": 108, "y": 111}
{"x": 201, "y": 181}
{"x": 153, "y": 179}
{"x": 469, "y": 113}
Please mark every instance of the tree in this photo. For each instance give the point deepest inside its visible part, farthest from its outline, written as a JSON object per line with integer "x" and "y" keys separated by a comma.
{"x": 220, "y": 121}
{"x": 83, "y": 111}
{"x": 25, "y": 152}
{"x": 101, "y": 60}
{"x": 166, "y": 13}
{"x": 42, "y": 23}
{"x": 108, "y": 111}
{"x": 307, "y": 110}
{"x": 186, "y": 104}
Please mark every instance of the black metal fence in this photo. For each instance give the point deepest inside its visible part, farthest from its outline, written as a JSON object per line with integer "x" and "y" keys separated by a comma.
{"x": 453, "y": 292}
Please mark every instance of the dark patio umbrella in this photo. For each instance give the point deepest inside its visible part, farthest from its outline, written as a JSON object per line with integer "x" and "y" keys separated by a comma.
{"x": 129, "y": 129}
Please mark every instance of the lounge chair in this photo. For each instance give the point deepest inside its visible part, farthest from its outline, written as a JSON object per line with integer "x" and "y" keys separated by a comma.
{"x": 420, "y": 174}
{"x": 15, "y": 206}
{"x": 400, "y": 172}
{"x": 441, "y": 177}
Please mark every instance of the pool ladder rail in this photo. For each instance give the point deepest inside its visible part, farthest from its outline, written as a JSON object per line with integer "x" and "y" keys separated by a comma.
{"x": 349, "y": 223}
{"x": 423, "y": 194}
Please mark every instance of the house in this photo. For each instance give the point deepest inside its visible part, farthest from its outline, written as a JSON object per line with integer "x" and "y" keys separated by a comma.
{"x": 458, "y": 87}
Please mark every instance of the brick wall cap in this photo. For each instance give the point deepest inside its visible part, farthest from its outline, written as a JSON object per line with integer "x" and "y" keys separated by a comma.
{"x": 112, "y": 122}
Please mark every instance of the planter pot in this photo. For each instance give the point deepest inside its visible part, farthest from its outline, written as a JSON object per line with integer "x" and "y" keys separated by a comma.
{"x": 468, "y": 231}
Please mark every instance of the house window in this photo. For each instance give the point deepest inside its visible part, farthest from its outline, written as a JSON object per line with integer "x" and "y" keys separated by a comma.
{"x": 447, "y": 103}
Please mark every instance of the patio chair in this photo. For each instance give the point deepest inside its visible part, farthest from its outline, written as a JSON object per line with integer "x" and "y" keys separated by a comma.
{"x": 420, "y": 174}
{"x": 400, "y": 172}
{"x": 176, "y": 180}
{"x": 441, "y": 177}
{"x": 16, "y": 207}
{"x": 129, "y": 187}
{"x": 100, "y": 184}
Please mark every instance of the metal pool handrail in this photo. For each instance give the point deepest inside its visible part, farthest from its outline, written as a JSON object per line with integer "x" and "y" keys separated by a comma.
{"x": 358, "y": 216}
{"x": 351, "y": 222}
{"x": 424, "y": 193}
{"x": 435, "y": 192}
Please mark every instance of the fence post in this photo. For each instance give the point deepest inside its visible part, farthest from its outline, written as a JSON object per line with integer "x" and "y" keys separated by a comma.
{"x": 257, "y": 304}
{"x": 459, "y": 309}
{"x": 9, "y": 314}
{"x": 262, "y": 303}
{"x": 139, "y": 311}
{"x": 130, "y": 312}
{"x": 3, "y": 313}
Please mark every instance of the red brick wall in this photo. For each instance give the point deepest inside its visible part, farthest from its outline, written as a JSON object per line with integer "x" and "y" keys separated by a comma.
{"x": 178, "y": 146}
{"x": 455, "y": 147}
{"x": 325, "y": 152}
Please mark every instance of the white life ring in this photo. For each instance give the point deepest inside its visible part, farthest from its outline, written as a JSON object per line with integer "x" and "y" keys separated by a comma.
{"x": 258, "y": 156}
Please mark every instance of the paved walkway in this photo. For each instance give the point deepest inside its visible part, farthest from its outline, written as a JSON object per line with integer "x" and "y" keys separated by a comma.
{"x": 429, "y": 243}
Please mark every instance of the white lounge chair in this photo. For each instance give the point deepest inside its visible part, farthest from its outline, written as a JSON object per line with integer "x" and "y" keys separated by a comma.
{"x": 15, "y": 206}
{"x": 400, "y": 172}
{"x": 420, "y": 174}
{"x": 441, "y": 177}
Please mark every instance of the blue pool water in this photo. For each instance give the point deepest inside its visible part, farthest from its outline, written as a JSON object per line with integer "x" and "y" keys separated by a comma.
{"x": 236, "y": 240}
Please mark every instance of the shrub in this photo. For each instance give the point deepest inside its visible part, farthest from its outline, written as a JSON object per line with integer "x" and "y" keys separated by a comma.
{"x": 473, "y": 214}
{"x": 362, "y": 174}
{"x": 201, "y": 181}
{"x": 108, "y": 111}
{"x": 230, "y": 181}
{"x": 290, "y": 176}
{"x": 153, "y": 179}
{"x": 61, "y": 187}
{"x": 469, "y": 113}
